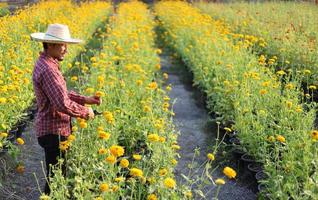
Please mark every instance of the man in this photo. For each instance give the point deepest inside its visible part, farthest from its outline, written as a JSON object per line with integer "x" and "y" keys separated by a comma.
{"x": 55, "y": 105}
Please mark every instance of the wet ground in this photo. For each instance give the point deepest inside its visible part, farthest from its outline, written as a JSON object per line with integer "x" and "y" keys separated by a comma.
{"x": 198, "y": 131}
{"x": 24, "y": 186}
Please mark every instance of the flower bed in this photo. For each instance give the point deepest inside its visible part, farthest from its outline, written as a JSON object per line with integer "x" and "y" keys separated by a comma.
{"x": 272, "y": 125}
{"x": 128, "y": 151}
{"x": 281, "y": 31}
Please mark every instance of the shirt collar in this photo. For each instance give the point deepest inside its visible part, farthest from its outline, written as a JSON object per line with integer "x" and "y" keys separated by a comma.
{"x": 49, "y": 58}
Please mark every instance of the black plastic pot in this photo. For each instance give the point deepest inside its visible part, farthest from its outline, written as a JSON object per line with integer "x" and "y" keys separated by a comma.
{"x": 21, "y": 126}
{"x": 3, "y": 151}
{"x": 234, "y": 141}
{"x": 261, "y": 187}
{"x": 261, "y": 175}
{"x": 255, "y": 167}
{"x": 248, "y": 159}
{"x": 237, "y": 153}
{"x": 14, "y": 132}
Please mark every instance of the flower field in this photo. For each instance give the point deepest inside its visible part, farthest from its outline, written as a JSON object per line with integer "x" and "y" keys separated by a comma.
{"x": 255, "y": 63}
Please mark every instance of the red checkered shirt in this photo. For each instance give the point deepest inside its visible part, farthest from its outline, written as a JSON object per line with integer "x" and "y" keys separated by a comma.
{"x": 55, "y": 104}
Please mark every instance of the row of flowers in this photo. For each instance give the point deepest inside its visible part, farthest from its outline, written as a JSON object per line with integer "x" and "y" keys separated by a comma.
{"x": 271, "y": 123}
{"x": 279, "y": 31}
{"x": 19, "y": 53}
{"x": 128, "y": 151}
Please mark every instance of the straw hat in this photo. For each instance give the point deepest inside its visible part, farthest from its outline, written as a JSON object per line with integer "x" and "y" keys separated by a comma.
{"x": 56, "y": 33}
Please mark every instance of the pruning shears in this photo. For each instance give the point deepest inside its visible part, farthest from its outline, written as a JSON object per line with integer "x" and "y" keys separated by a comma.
{"x": 97, "y": 112}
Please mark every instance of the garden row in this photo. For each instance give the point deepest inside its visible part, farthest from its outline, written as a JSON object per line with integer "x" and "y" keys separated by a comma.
{"x": 128, "y": 151}
{"x": 272, "y": 122}
{"x": 283, "y": 33}
{"x": 19, "y": 54}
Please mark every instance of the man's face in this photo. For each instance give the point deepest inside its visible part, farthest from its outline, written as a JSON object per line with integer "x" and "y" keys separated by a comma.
{"x": 57, "y": 51}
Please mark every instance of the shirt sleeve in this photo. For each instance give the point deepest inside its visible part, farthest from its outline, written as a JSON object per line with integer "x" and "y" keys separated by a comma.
{"x": 52, "y": 85}
{"x": 80, "y": 99}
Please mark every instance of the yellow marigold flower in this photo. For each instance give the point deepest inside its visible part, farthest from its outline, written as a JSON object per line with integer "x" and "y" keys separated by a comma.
{"x": 266, "y": 83}
{"x": 99, "y": 93}
{"x": 228, "y": 129}
{"x": 139, "y": 82}
{"x": 152, "y": 85}
{"x": 175, "y": 147}
{"x": 166, "y": 98}
{"x": 74, "y": 78}
{"x": 74, "y": 128}
{"x": 147, "y": 108}
{"x": 280, "y": 72}
{"x": 188, "y": 194}
{"x": 163, "y": 172}
{"x": 71, "y": 138}
{"x": 64, "y": 145}
{"x": 98, "y": 198}
{"x": 168, "y": 88}
{"x": 158, "y": 51}
{"x": 93, "y": 59}
{"x": 211, "y": 156}
{"x": 271, "y": 138}
{"x": 229, "y": 172}
{"x": 280, "y": 138}
{"x": 289, "y": 86}
{"x": 124, "y": 163}
{"x": 3, "y": 100}
{"x": 89, "y": 90}
{"x": 299, "y": 109}
{"x": 158, "y": 67}
{"x": 109, "y": 117}
{"x": 174, "y": 161}
{"x": 20, "y": 141}
{"x": 83, "y": 124}
{"x": 306, "y": 71}
{"x": 103, "y": 135}
{"x": 20, "y": 169}
{"x": 169, "y": 183}
{"x": 152, "y": 197}
{"x": 153, "y": 137}
{"x": 119, "y": 179}
{"x": 289, "y": 104}
{"x": 165, "y": 76}
{"x": 117, "y": 151}
{"x": 220, "y": 181}
{"x": 312, "y": 87}
{"x": 137, "y": 157}
{"x": 102, "y": 151}
{"x": 314, "y": 134}
{"x": 262, "y": 92}
{"x": 162, "y": 139}
{"x": 111, "y": 159}
{"x": 104, "y": 187}
{"x": 135, "y": 172}
{"x": 3, "y": 135}
{"x": 115, "y": 188}
{"x": 44, "y": 197}
{"x": 100, "y": 128}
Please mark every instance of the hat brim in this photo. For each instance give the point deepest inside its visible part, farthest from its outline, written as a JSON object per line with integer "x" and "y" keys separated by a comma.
{"x": 41, "y": 37}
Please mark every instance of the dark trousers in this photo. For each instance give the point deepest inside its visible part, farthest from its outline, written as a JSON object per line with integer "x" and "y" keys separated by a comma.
{"x": 50, "y": 144}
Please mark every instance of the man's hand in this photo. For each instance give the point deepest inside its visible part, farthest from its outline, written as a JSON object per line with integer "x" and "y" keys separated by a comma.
{"x": 93, "y": 100}
{"x": 91, "y": 114}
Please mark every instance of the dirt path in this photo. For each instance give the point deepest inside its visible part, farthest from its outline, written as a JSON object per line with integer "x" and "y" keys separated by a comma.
{"x": 197, "y": 131}
{"x": 24, "y": 186}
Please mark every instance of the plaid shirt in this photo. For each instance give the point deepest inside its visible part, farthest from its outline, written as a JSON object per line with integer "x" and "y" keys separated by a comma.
{"x": 55, "y": 105}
